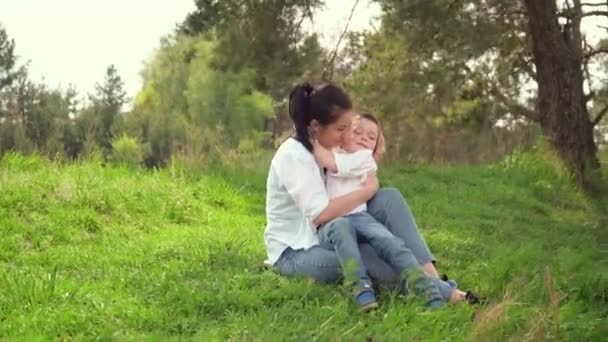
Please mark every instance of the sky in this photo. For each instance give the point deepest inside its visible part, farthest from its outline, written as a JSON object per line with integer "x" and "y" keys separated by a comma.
{"x": 74, "y": 41}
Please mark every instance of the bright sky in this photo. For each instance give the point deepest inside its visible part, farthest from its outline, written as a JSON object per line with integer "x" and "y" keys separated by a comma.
{"x": 74, "y": 41}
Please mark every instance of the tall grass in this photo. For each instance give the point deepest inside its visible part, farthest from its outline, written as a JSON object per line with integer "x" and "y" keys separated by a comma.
{"x": 97, "y": 251}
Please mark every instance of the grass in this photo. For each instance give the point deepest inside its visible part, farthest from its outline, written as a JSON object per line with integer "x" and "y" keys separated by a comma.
{"x": 101, "y": 252}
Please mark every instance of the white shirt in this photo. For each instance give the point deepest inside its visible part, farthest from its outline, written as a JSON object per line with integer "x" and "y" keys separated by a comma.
{"x": 354, "y": 169}
{"x": 295, "y": 196}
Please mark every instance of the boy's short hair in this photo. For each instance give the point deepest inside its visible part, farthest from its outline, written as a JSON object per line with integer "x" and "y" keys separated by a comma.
{"x": 371, "y": 117}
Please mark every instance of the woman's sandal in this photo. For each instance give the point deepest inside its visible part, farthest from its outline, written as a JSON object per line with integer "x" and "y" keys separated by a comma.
{"x": 470, "y": 297}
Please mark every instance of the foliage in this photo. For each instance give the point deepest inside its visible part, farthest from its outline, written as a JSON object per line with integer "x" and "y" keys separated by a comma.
{"x": 127, "y": 151}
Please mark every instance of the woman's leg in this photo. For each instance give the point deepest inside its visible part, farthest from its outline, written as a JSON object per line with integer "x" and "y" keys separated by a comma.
{"x": 317, "y": 263}
{"x": 389, "y": 207}
{"x": 380, "y": 271}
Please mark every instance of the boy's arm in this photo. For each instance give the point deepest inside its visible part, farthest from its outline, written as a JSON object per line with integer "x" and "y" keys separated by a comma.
{"x": 355, "y": 164}
{"x": 324, "y": 157}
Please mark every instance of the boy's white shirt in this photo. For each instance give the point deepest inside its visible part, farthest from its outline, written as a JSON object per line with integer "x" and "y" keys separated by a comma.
{"x": 353, "y": 168}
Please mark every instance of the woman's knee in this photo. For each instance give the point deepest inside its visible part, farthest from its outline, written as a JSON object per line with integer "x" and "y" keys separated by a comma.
{"x": 391, "y": 195}
{"x": 387, "y": 199}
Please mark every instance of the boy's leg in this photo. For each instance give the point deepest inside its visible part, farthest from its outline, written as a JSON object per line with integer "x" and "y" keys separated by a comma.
{"x": 394, "y": 251}
{"x": 340, "y": 235}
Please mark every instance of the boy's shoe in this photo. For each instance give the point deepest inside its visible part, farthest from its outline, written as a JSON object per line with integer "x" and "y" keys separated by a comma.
{"x": 365, "y": 298}
{"x": 402, "y": 287}
{"x": 452, "y": 282}
{"x": 435, "y": 303}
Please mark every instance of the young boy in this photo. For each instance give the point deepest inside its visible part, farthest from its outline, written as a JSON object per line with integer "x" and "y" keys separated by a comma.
{"x": 359, "y": 144}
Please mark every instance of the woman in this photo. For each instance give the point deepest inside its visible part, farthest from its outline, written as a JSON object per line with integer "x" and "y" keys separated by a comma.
{"x": 296, "y": 202}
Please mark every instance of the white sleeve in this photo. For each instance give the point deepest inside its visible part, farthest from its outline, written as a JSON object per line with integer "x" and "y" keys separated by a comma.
{"x": 354, "y": 164}
{"x": 303, "y": 182}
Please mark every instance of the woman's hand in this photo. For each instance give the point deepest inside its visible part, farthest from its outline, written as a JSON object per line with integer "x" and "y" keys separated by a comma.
{"x": 380, "y": 148}
{"x": 342, "y": 205}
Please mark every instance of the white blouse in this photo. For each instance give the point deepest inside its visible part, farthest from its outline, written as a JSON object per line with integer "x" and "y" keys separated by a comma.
{"x": 295, "y": 196}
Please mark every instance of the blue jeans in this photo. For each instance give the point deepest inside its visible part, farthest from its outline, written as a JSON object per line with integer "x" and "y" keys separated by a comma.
{"x": 341, "y": 235}
{"x": 390, "y": 209}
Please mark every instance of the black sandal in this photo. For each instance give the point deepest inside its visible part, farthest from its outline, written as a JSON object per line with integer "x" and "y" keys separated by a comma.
{"x": 474, "y": 299}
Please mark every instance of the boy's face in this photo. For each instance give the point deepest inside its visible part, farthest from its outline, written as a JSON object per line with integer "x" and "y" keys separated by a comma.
{"x": 363, "y": 135}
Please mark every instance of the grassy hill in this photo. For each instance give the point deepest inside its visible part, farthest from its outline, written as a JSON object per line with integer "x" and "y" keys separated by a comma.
{"x": 99, "y": 251}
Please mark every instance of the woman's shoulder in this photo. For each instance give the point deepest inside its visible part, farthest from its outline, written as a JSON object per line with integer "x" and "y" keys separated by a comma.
{"x": 294, "y": 150}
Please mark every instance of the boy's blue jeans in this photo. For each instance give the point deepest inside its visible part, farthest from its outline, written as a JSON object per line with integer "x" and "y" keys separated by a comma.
{"x": 342, "y": 234}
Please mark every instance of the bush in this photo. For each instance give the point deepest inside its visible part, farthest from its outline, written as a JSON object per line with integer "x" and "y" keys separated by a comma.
{"x": 126, "y": 150}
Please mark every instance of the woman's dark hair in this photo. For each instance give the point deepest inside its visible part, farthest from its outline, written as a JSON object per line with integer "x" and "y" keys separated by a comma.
{"x": 323, "y": 103}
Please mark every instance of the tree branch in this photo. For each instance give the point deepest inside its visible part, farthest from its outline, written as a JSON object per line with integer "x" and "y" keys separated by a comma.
{"x": 516, "y": 107}
{"x": 592, "y": 5}
{"x": 595, "y": 13}
{"x": 600, "y": 116}
{"x": 306, "y": 13}
{"x": 585, "y": 63}
{"x": 330, "y": 64}
{"x": 570, "y": 14}
{"x": 576, "y": 28}
{"x": 596, "y": 52}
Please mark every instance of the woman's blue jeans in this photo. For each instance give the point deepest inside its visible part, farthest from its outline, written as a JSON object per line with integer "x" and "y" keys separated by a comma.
{"x": 388, "y": 207}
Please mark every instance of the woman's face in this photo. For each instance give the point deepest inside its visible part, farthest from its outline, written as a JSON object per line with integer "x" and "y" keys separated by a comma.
{"x": 331, "y": 136}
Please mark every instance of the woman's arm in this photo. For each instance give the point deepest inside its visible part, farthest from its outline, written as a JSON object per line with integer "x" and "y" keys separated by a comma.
{"x": 343, "y": 205}
{"x": 380, "y": 148}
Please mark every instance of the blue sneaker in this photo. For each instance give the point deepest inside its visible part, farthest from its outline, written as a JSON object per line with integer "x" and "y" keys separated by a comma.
{"x": 402, "y": 287}
{"x": 435, "y": 303}
{"x": 365, "y": 298}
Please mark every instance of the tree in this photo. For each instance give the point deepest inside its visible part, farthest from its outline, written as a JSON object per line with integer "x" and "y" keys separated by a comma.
{"x": 431, "y": 82}
{"x": 108, "y": 100}
{"x": 562, "y": 102}
{"x": 34, "y": 117}
{"x": 187, "y": 105}
{"x": 8, "y": 59}
{"x": 265, "y": 36}
{"x": 503, "y": 46}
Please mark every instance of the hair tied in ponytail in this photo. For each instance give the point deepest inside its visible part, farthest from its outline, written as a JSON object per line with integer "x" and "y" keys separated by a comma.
{"x": 309, "y": 90}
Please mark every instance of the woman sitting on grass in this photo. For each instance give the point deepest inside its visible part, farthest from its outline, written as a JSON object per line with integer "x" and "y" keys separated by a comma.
{"x": 297, "y": 204}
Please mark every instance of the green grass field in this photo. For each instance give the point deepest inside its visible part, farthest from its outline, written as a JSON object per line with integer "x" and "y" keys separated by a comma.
{"x": 101, "y": 252}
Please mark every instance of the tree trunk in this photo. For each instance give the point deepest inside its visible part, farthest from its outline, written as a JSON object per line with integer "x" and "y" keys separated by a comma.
{"x": 561, "y": 104}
